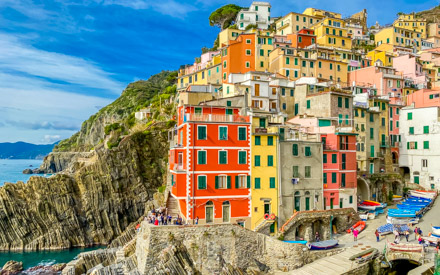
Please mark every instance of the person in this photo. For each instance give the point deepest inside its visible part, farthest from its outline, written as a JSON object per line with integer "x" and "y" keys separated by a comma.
{"x": 156, "y": 221}
{"x": 317, "y": 239}
{"x": 197, "y": 220}
{"x": 355, "y": 234}
{"x": 416, "y": 232}
{"x": 420, "y": 240}
{"x": 162, "y": 219}
{"x": 169, "y": 219}
{"x": 420, "y": 232}
{"x": 437, "y": 246}
{"x": 396, "y": 236}
{"x": 407, "y": 235}
{"x": 377, "y": 235}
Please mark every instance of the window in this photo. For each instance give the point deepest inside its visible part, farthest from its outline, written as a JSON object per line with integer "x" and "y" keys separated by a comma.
{"x": 324, "y": 158}
{"x": 291, "y": 92}
{"x": 424, "y": 163}
{"x": 296, "y": 61}
{"x": 340, "y": 102}
{"x": 343, "y": 180}
{"x": 351, "y": 199}
{"x": 240, "y": 181}
{"x": 201, "y": 132}
{"x": 371, "y": 133}
{"x": 411, "y": 130}
{"x": 201, "y": 157}
{"x": 324, "y": 178}
{"x": 295, "y": 171}
{"x": 397, "y": 124}
{"x": 371, "y": 117}
{"x": 334, "y": 178}
{"x": 222, "y": 182}
{"x": 347, "y": 103}
{"x": 308, "y": 151}
{"x": 271, "y": 182}
{"x": 224, "y": 64}
{"x": 257, "y": 140}
{"x": 201, "y": 182}
{"x": 261, "y": 64}
{"x": 241, "y": 133}
{"x": 256, "y": 161}
{"x": 248, "y": 64}
{"x": 409, "y": 116}
{"x": 334, "y": 158}
{"x": 257, "y": 183}
{"x": 269, "y": 160}
{"x": 426, "y": 144}
{"x": 426, "y": 129}
{"x": 304, "y": 63}
{"x": 242, "y": 156}
{"x": 308, "y": 104}
{"x": 248, "y": 41}
{"x": 223, "y": 157}
{"x": 284, "y": 106}
{"x": 319, "y": 64}
{"x": 261, "y": 52}
{"x": 283, "y": 91}
{"x": 270, "y": 141}
{"x": 383, "y": 121}
{"x": 209, "y": 210}
{"x": 287, "y": 60}
{"x": 308, "y": 171}
{"x": 223, "y": 133}
{"x": 295, "y": 149}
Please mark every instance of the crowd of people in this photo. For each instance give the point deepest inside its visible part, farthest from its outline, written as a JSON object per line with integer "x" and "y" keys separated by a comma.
{"x": 161, "y": 217}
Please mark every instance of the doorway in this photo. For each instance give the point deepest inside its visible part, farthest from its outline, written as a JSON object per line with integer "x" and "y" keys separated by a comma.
{"x": 209, "y": 211}
{"x": 226, "y": 211}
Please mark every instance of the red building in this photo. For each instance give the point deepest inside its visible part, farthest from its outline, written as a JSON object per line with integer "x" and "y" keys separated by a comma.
{"x": 303, "y": 38}
{"x": 339, "y": 170}
{"x": 210, "y": 173}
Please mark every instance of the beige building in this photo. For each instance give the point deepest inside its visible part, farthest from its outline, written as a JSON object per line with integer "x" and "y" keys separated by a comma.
{"x": 293, "y": 22}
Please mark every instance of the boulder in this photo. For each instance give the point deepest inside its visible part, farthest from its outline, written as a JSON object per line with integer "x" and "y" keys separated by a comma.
{"x": 28, "y": 171}
{"x": 12, "y": 267}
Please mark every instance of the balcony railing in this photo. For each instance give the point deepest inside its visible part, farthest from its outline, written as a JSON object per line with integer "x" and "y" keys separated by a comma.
{"x": 216, "y": 118}
{"x": 265, "y": 130}
{"x": 384, "y": 144}
{"x": 330, "y": 147}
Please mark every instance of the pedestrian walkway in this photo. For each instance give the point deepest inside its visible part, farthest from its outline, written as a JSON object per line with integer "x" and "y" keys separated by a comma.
{"x": 336, "y": 264}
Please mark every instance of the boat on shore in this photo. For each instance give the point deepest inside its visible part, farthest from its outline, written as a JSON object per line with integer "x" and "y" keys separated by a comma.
{"x": 359, "y": 226}
{"x": 423, "y": 194}
{"x": 397, "y": 198}
{"x": 436, "y": 230}
{"x": 394, "y": 220}
{"x": 324, "y": 245}
{"x": 297, "y": 242}
{"x": 405, "y": 247}
{"x": 366, "y": 207}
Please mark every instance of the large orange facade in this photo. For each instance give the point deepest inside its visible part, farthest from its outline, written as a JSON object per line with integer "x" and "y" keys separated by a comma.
{"x": 239, "y": 56}
{"x": 209, "y": 165}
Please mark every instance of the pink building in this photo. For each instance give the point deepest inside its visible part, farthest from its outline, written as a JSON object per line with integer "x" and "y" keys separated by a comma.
{"x": 384, "y": 79}
{"x": 204, "y": 60}
{"x": 410, "y": 67}
{"x": 424, "y": 98}
{"x": 396, "y": 104}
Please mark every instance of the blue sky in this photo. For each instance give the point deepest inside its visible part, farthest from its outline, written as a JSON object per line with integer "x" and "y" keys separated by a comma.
{"x": 62, "y": 60}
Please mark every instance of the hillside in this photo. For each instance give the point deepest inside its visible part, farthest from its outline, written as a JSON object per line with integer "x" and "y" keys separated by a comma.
{"x": 432, "y": 15}
{"x": 23, "y": 150}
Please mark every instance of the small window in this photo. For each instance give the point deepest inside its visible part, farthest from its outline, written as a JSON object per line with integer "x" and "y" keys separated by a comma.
{"x": 257, "y": 140}
{"x": 201, "y": 157}
{"x": 295, "y": 149}
{"x": 410, "y": 116}
{"x": 242, "y": 157}
{"x": 307, "y": 151}
{"x": 248, "y": 41}
{"x": 426, "y": 144}
{"x": 223, "y": 157}
{"x": 223, "y": 133}
{"x": 307, "y": 171}
{"x": 248, "y": 52}
{"x": 201, "y": 182}
{"x": 334, "y": 158}
{"x": 256, "y": 161}
{"x": 269, "y": 161}
{"x": 426, "y": 129}
{"x": 242, "y": 133}
{"x": 308, "y": 104}
{"x": 270, "y": 141}
{"x": 271, "y": 182}
{"x": 257, "y": 183}
{"x": 201, "y": 132}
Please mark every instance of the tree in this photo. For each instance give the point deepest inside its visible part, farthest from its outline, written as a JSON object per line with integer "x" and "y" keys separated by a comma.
{"x": 224, "y": 16}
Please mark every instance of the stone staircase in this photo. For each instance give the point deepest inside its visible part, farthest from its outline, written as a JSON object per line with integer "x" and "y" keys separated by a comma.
{"x": 173, "y": 206}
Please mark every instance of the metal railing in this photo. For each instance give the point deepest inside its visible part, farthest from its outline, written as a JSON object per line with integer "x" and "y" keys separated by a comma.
{"x": 216, "y": 118}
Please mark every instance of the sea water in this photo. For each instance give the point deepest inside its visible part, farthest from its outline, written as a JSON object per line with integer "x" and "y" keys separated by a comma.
{"x": 11, "y": 170}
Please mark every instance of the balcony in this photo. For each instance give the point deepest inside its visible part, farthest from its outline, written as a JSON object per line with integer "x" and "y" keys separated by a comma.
{"x": 344, "y": 129}
{"x": 385, "y": 144}
{"x": 244, "y": 19}
{"x": 215, "y": 118}
{"x": 265, "y": 130}
{"x": 330, "y": 147}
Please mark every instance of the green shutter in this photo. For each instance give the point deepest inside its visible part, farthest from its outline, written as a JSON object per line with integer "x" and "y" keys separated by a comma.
{"x": 409, "y": 116}
{"x": 415, "y": 147}
{"x": 270, "y": 141}
{"x": 411, "y": 130}
{"x": 334, "y": 158}
{"x": 236, "y": 182}
{"x": 324, "y": 177}
{"x": 308, "y": 104}
{"x": 426, "y": 145}
{"x": 426, "y": 129}
{"x": 340, "y": 102}
{"x": 295, "y": 149}
{"x": 257, "y": 183}
{"x": 257, "y": 140}
{"x": 257, "y": 161}
{"x": 343, "y": 180}
{"x": 347, "y": 101}
{"x": 334, "y": 178}
{"x": 308, "y": 151}
{"x": 407, "y": 145}
{"x": 272, "y": 183}
{"x": 241, "y": 133}
{"x": 324, "y": 158}
{"x": 229, "y": 182}
{"x": 248, "y": 181}
{"x": 269, "y": 160}
{"x": 295, "y": 171}
{"x": 216, "y": 182}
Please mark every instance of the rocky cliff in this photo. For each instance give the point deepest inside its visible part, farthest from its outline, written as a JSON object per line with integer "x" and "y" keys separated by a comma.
{"x": 91, "y": 205}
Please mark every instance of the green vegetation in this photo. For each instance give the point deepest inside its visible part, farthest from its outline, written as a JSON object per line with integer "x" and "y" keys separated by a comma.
{"x": 224, "y": 17}
{"x": 161, "y": 189}
{"x": 251, "y": 26}
{"x": 431, "y": 15}
{"x": 137, "y": 95}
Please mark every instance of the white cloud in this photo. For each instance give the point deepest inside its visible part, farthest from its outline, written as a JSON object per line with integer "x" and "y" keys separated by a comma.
{"x": 167, "y": 7}
{"x": 22, "y": 58}
{"x": 50, "y": 138}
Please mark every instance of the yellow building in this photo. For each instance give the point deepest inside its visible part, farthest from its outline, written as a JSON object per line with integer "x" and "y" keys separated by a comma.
{"x": 332, "y": 32}
{"x": 382, "y": 54}
{"x": 321, "y": 13}
{"x": 382, "y": 105}
{"x": 264, "y": 173}
{"x": 227, "y": 35}
{"x": 410, "y": 22}
{"x": 293, "y": 22}
{"x": 397, "y": 36}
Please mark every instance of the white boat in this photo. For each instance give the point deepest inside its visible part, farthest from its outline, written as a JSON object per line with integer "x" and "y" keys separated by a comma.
{"x": 393, "y": 220}
{"x": 405, "y": 247}
{"x": 436, "y": 230}
{"x": 425, "y": 195}
{"x": 366, "y": 207}
{"x": 371, "y": 216}
{"x": 364, "y": 216}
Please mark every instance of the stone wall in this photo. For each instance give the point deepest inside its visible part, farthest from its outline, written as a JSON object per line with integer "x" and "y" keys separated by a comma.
{"x": 211, "y": 249}
{"x": 304, "y": 224}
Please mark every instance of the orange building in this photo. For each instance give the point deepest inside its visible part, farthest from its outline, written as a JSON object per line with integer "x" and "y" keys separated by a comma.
{"x": 302, "y": 39}
{"x": 210, "y": 173}
{"x": 239, "y": 56}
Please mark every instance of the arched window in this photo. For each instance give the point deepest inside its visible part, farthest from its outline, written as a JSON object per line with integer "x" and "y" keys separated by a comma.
{"x": 297, "y": 201}
{"x": 307, "y": 198}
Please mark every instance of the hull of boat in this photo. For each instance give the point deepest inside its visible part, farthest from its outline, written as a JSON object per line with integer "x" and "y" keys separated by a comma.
{"x": 367, "y": 207}
{"x": 297, "y": 242}
{"x": 436, "y": 230}
{"x": 406, "y": 247}
{"x": 324, "y": 245}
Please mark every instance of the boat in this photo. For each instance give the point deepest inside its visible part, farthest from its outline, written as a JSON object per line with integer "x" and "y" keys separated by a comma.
{"x": 424, "y": 195}
{"x": 435, "y": 235}
{"x": 366, "y": 207}
{"x": 368, "y": 202}
{"x": 405, "y": 247}
{"x": 324, "y": 245}
{"x": 298, "y": 242}
{"x": 397, "y": 198}
{"x": 372, "y": 215}
{"x": 402, "y": 214}
{"x": 436, "y": 230}
{"x": 359, "y": 226}
{"x": 363, "y": 216}
{"x": 392, "y": 220}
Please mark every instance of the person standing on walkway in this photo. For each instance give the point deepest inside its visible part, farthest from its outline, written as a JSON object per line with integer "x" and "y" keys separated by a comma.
{"x": 407, "y": 235}
{"x": 317, "y": 239}
{"x": 396, "y": 236}
{"x": 355, "y": 234}
{"x": 416, "y": 232}
{"x": 377, "y": 235}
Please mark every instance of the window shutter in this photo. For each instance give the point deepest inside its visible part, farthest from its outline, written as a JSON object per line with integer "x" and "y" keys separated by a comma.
{"x": 248, "y": 181}
{"x": 216, "y": 182}
{"x": 415, "y": 145}
{"x": 236, "y": 182}
{"x": 407, "y": 145}
{"x": 229, "y": 182}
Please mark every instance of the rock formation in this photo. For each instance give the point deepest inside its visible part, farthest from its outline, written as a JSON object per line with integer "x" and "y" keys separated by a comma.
{"x": 11, "y": 268}
{"x": 93, "y": 204}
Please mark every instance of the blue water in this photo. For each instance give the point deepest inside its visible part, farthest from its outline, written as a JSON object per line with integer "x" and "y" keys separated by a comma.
{"x": 31, "y": 259}
{"x": 11, "y": 170}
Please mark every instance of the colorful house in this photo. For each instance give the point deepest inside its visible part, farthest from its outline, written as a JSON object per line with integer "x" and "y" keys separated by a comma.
{"x": 209, "y": 162}
{"x": 332, "y": 32}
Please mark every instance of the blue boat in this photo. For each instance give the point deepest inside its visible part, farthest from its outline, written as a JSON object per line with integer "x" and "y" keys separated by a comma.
{"x": 324, "y": 245}
{"x": 300, "y": 242}
{"x": 402, "y": 214}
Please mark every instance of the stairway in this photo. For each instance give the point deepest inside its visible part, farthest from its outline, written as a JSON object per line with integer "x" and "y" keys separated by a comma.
{"x": 173, "y": 206}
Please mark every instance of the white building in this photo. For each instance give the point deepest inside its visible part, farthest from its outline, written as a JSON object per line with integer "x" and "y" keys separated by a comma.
{"x": 420, "y": 147}
{"x": 258, "y": 14}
